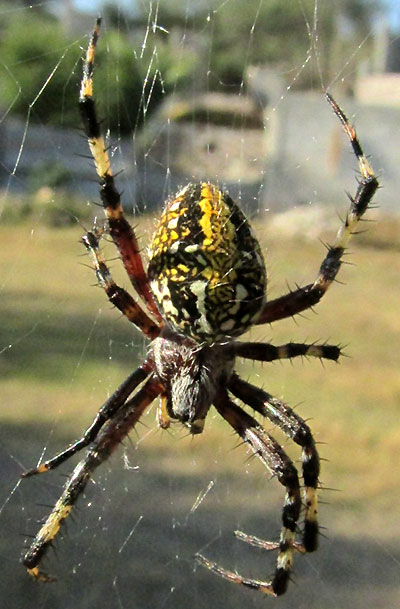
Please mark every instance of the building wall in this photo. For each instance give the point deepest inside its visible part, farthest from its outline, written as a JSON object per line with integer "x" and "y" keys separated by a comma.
{"x": 305, "y": 155}
{"x": 311, "y": 159}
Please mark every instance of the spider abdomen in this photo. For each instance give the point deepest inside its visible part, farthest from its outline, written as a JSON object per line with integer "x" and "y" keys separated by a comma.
{"x": 206, "y": 268}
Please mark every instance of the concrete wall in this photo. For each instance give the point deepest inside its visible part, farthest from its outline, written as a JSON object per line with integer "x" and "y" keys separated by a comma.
{"x": 311, "y": 159}
{"x": 305, "y": 155}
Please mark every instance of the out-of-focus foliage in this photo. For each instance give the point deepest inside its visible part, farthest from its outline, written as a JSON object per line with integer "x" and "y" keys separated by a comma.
{"x": 276, "y": 33}
{"x": 30, "y": 48}
{"x": 172, "y": 46}
{"x": 41, "y": 67}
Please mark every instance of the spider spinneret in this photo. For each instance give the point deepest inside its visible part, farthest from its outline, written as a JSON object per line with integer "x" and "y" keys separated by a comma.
{"x": 205, "y": 286}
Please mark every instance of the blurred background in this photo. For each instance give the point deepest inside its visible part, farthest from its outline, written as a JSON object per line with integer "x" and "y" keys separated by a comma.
{"x": 230, "y": 92}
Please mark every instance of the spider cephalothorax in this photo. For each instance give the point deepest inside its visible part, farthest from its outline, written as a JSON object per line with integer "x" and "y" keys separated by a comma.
{"x": 205, "y": 287}
{"x": 191, "y": 374}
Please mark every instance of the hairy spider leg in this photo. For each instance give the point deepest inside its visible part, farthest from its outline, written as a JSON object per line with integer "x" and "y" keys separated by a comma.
{"x": 265, "y": 352}
{"x": 109, "y": 408}
{"x": 279, "y": 464}
{"x": 120, "y": 230}
{"x": 309, "y": 295}
{"x": 107, "y": 440}
{"x": 295, "y": 428}
{"x": 120, "y": 413}
{"x": 119, "y": 297}
{"x": 283, "y": 416}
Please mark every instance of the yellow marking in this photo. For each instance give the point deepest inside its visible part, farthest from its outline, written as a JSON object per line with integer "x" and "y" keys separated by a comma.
{"x": 92, "y": 46}
{"x": 100, "y": 156}
{"x": 163, "y": 417}
{"x": 206, "y": 206}
{"x": 311, "y": 500}
{"x": 87, "y": 82}
{"x": 87, "y": 87}
{"x": 213, "y": 265}
{"x": 42, "y": 468}
{"x": 365, "y": 167}
{"x": 38, "y": 575}
{"x": 52, "y": 525}
{"x": 97, "y": 145}
{"x": 285, "y": 558}
{"x": 208, "y": 273}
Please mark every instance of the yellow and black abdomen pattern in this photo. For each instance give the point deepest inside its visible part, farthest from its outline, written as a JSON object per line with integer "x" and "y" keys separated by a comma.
{"x": 206, "y": 268}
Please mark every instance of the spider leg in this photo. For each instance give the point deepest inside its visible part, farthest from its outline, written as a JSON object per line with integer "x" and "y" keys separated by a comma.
{"x": 163, "y": 418}
{"x": 309, "y": 295}
{"x": 276, "y": 460}
{"x": 109, "y": 408}
{"x": 265, "y": 352}
{"x": 120, "y": 230}
{"x": 295, "y": 428}
{"x": 256, "y": 542}
{"x": 106, "y": 442}
{"x": 119, "y": 297}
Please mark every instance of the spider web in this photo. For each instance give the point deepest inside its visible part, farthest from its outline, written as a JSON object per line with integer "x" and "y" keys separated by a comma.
{"x": 165, "y": 496}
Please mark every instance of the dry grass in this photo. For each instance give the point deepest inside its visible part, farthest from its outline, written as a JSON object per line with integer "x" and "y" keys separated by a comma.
{"x": 68, "y": 349}
{"x": 64, "y": 350}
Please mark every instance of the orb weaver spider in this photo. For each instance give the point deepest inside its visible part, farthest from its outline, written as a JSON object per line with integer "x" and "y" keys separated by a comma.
{"x": 204, "y": 287}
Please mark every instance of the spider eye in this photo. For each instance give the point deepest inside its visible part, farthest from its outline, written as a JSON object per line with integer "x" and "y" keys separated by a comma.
{"x": 206, "y": 268}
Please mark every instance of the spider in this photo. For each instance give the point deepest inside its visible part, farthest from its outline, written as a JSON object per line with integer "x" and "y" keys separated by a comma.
{"x": 204, "y": 287}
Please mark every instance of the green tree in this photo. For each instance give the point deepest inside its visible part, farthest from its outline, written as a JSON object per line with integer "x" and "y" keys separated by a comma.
{"x": 281, "y": 34}
{"x": 189, "y": 47}
{"x": 274, "y": 32}
{"x": 42, "y": 69}
{"x": 37, "y": 68}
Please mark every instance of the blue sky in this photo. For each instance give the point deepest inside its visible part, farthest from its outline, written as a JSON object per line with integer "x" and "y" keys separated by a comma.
{"x": 93, "y": 6}
{"x": 394, "y": 13}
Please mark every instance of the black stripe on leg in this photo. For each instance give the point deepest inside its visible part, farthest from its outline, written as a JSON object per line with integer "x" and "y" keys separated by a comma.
{"x": 275, "y": 459}
{"x": 107, "y": 441}
{"x": 90, "y": 123}
{"x": 265, "y": 352}
{"x": 294, "y": 427}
